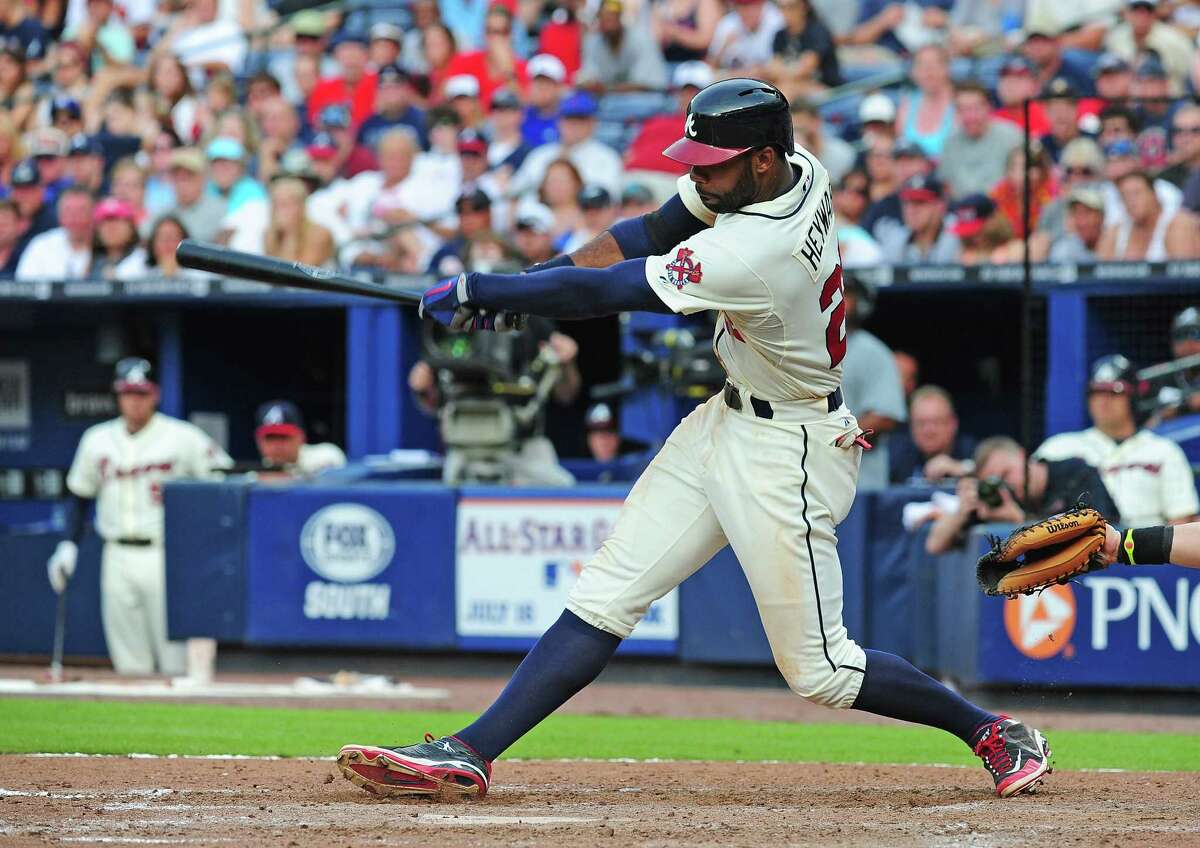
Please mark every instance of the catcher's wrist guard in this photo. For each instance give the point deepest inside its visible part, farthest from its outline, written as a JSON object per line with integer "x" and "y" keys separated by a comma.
{"x": 1146, "y": 545}
{"x": 1043, "y": 553}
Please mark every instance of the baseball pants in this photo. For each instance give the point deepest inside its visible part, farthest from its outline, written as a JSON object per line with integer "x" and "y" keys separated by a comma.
{"x": 133, "y": 607}
{"x": 775, "y": 490}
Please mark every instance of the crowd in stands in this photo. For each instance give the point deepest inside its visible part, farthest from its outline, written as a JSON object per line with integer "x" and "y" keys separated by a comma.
{"x": 417, "y": 136}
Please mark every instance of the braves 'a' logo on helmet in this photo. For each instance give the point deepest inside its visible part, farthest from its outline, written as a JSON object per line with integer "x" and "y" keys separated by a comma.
{"x": 682, "y": 269}
{"x": 690, "y": 129}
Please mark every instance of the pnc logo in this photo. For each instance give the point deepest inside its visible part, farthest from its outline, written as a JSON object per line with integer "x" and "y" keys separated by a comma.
{"x": 1040, "y": 625}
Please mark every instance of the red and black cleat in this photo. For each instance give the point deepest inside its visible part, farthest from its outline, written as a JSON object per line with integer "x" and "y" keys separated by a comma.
{"x": 435, "y": 766}
{"x": 1017, "y": 757}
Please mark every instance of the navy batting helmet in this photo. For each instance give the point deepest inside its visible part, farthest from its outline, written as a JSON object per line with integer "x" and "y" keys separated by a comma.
{"x": 1114, "y": 374}
{"x": 730, "y": 117}
{"x": 1186, "y": 325}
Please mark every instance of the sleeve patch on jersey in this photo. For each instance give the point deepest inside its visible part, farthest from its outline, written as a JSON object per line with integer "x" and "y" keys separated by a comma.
{"x": 682, "y": 269}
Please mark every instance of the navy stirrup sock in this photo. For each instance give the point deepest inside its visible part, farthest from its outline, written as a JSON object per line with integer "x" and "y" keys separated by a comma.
{"x": 893, "y": 687}
{"x": 568, "y": 657}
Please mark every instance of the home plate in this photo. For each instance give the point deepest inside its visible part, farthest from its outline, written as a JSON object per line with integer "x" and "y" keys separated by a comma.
{"x": 470, "y": 821}
{"x": 364, "y": 686}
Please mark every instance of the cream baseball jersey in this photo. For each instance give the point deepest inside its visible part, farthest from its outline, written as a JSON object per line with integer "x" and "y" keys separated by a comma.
{"x": 124, "y": 472}
{"x": 773, "y": 272}
{"x": 1147, "y": 475}
{"x": 320, "y": 457}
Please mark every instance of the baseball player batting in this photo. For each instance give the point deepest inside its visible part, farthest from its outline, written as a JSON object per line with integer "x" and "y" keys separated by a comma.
{"x": 768, "y": 466}
{"x": 122, "y": 464}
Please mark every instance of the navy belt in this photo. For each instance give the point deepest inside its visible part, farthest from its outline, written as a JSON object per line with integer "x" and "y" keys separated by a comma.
{"x": 762, "y": 408}
{"x": 134, "y": 543}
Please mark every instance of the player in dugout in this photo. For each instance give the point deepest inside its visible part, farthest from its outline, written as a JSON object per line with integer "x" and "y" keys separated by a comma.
{"x": 283, "y": 442}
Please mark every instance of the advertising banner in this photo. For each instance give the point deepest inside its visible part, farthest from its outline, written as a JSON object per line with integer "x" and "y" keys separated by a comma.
{"x": 1122, "y": 626}
{"x": 362, "y": 565}
{"x": 517, "y": 559}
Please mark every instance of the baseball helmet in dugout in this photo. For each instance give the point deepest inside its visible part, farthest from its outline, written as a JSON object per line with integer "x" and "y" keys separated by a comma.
{"x": 730, "y": 117}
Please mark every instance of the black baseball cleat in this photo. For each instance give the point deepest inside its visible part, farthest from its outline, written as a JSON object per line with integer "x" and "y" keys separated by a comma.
{"x": 1016, "y": 756}
{"x": 432, "y": 767}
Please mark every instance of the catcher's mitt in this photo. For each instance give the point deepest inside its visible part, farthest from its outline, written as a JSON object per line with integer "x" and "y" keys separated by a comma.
{"x": 1043, "y": 553}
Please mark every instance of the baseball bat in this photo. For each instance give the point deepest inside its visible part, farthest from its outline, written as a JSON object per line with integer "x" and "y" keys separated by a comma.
{"x": 264, "y": 269}
{"x": 60, "y": 634}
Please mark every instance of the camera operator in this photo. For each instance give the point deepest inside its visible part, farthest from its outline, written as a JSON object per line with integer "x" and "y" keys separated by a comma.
{"x": 1184, "y": 397}
{"x": 1000, "y": 492}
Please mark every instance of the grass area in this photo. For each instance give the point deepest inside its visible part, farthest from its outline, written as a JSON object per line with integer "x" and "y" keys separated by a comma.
{"x": 121, "y": 727}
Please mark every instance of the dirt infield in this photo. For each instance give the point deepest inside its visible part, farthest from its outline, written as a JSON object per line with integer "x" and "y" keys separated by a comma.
{"x": 301, "y": 803}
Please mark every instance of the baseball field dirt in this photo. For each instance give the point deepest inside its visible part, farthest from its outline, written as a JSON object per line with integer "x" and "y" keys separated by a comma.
{"x": 301, "y": 803}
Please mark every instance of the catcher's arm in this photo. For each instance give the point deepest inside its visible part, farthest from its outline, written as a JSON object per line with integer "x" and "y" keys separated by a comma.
{"x": 1178, "y": 545}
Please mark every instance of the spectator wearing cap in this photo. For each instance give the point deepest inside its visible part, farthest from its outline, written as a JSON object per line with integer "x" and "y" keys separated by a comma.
{"x": 684, "y": 28}
{"x": 354, "y": 85}
{"x": 1141, "y": 31}
{"x": 353, "y": 158}
{"x": 261, "y": 89}
{"x": 983, "y": 234}
{"x": 207, "y": 42}
{"x": 1009, "y": 192}
{"x": 497, "y": 65}
{"x": 925, "y": 116}
{"x": 49, "y": 148}
{"x": 37, "y": 215}
{"x": 12, "y": 240}
{"x": 85, "y": 164}
{"x": 199, "y": 210}
{"x": 442, "y": 157}
{"x": 546, "y": 77}
{"x": 1081, "y": 165}
{"x": 117, "y": 253}
{"x": 1043, "y": 47}
{"x": 1121, "y": 157}
{"x": 812, "y": 134}
{"x": 533, "y": 232}
{"x": 17, "y": 96}
{"x": 924, "y": 239}
{"x": 383, "y": 46}
{"x": 973, "y": 157}
{"x": 1154, "y": 110}
{"x": 876, "y": 119}
{"x": 636, "y": 200}
{"x": 104, "y": 35}
{"x": 1080, "y": 238}
{"x": 1063, "y": 113}
{"x": 1113, "y": 76}
{"x": 745, "y": 37}
{"x": 308, "y": 29}
{"x": 1184, "y": 171}
{"x": 857, "y": 247}
{"x": 474, "y": 211}
{"x": 65, "y": 252}
{"x": 1018, "y": 83}
{"x": 605, "y": 443}
{"x": 658, "y": 132}
{"x": 228, "y": 179}
{"x": 576, "y": 125}
{"x": 283, "y": 442}
{"x": 1150, "y": 233}
{"x": 1182, "y": 398}
{"x": 473, "y": 166}
{"x": 618, "y": 57}
{"x": 804, "y": 60}
{"x": 461, "y": 93}
{"x": 279, "y": 133}
{"x": 903, "y": 161}
{"x": 66, "y": 115}
{"x": 395, "y": 106}
{"x": 507, "y": 147}
{"x": 599, "y": 210}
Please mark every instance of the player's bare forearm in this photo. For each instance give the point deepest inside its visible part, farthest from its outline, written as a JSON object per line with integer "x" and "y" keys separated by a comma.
{"x": 600, "y": 252}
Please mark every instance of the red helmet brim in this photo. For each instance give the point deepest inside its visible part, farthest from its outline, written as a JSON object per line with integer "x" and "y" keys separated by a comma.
{"x": 689, "y": 152}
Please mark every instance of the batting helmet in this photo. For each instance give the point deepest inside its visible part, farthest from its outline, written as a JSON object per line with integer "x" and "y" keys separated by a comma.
{"x": 1186, "y": 325}
{"x": 133, "y": 374}
{"x": 730, "y": 117}
{"x": 1114, "y": 374}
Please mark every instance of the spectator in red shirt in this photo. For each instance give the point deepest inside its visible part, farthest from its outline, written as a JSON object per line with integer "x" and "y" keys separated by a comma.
{"x": 354, "y": 157}
{"x": 354, "y": 87}
{"x": 1009, "y": 193}
{"x": 657, "y": 133}
{"x": 497, "y": 64}
{"x": 562, "y": 37}
{"x": 1018, "y": 83}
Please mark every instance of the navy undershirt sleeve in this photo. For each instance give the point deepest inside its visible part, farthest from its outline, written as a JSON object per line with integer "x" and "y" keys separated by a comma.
{"x": 567, "y": 293}
{"x": 656, "y": 232}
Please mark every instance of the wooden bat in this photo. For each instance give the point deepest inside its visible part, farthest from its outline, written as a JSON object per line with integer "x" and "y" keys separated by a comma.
{"x": 264, "y": 269}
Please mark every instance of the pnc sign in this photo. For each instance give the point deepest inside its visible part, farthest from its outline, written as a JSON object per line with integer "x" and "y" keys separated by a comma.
{"x": 1041, "y": 625}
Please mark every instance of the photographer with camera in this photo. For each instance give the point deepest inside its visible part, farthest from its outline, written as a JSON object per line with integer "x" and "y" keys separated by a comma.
{"x": 1001, "y": 493}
